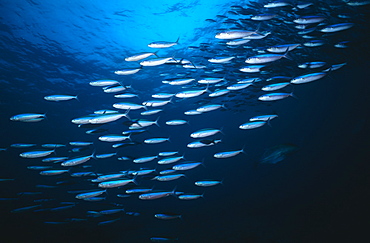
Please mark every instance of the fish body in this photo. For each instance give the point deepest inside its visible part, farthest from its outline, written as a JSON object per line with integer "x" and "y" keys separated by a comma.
{"x": 156, "y": 140}
{"x": 227, "y": 154}
{"x": 28, "y": 117}
{"x": 145, "y": 159}
{"x": 90, "y": 194}
{"x": 336, "y": 27}
{"x": 36, "y": 154}
{"x": 308, "y": 78}
{"x": 273, "y": 87}
{"x": 169, "y": 177}
{"x": 233, "y": 34}
{"x": 263, "y": 117}
{"x": 274, "y": 96}
{"x": 220, "y": 59}
{"x": 309, "y": 19}
{"x": 163, "y": 44}
{"x": 102, "y": 119}
{"x": 76, "y": 161}
{"x": 60, "y": 97}
{"x": 312, "y": 65}
{"x": 252, "y": 125}
{"x": 156, "y": 103}
{"x": 282, "y": 48}
{"x": 207, "y": 183}
{"x": 128, "y": 106}
{"x": 116, "y": 183}
{"x": 186, "y": 166}
{"x": 101, "y": 83}
{"x": 155, "y": 61}
{"x": 176, "y": 122}
{"x": 170, "y": 160}
{"x": 113, "y": 138}
{"x": 207, "y": 108}
{"x": 219, "y": 93}
{"x": 204, "y": 133}
{"x": 162, "y": 95}
{"x": 166, "y": 216}
{"x": 150, "y": 112}
{"x": 238, "y": 86}
{"x": 189, "y": 196}
{"x": 155, "y": 195}
{"x": 139, "y": 56}
{"x": 127, "y": 71}
{"x": 53, "y": 172}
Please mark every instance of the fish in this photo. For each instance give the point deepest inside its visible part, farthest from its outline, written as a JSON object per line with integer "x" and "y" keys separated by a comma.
{"x": 53, "y": 172}
{"x": 60, "y": 97}
{"x": 127, "y": 71}
{"x": 156, "y": 103}
{"x": 336, "y": 27}
{"x": 228, "y": 154}
{"x": 273, "y": 87}
{"x": 176, "y": 122}
{"x": 277, "y": 153}
{"x": 155, "y": 61}
{"x": 128, "y": 106}
{"x": 140, "y": 56}
{"x": 163, "y": 44}
{"x": 186, "y": 166}
{"x": 189, "y": 196}
{"x": 169, "y": 177}
{"x": 167, "y": 216}
{"x": 36, "y": 154}
{"x": 252, "y": 124}
{"x": 28, "y": 117}
{"x": 145, "y": 159}
{"x": 90, "y": 194}
{"x": 234, "y": 34}
{"x": 115, "y": 183}
{"x": 206, "y": 132}
{"x": 156, "y": 195}
{"x": 308, "y": 78}
{"x": 114, "y": 138}
{"x": 207, "y": 183}
{"x": 101, "y": 83}
{"x": 156, "y": 140}
{"x": 169, "y": 160}
{"x": 274, "y": 96}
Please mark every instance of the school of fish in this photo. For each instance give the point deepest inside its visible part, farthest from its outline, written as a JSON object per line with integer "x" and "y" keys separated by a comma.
{"x": 246, "y": 55}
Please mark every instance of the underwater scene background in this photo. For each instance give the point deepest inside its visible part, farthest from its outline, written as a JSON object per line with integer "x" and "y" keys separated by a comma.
{"x": 299, "y": 175}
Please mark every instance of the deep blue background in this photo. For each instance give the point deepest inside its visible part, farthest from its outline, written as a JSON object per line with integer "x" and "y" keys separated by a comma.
{"x": 317, "y": 194}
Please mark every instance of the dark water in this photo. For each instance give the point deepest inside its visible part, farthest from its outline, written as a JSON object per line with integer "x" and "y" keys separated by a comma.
{"x": 316, "y": 194}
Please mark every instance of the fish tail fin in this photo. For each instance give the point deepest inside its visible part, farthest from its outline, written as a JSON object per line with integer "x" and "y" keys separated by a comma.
{"x": 177, "y": 41}
{"x": 268, "y": 122}
{"x": 156, "y": 122}
{"x": 134, "y": 180}
{"x": 202, "y": 163}
{"x": 126, "y": 114}
{"x": 155, "y": 54}
{"x": 173, "y": 192}
{"x": 293, "y": 95}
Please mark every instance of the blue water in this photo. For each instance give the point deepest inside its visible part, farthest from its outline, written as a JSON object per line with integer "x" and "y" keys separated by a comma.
{"x": 316, "y": 194}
